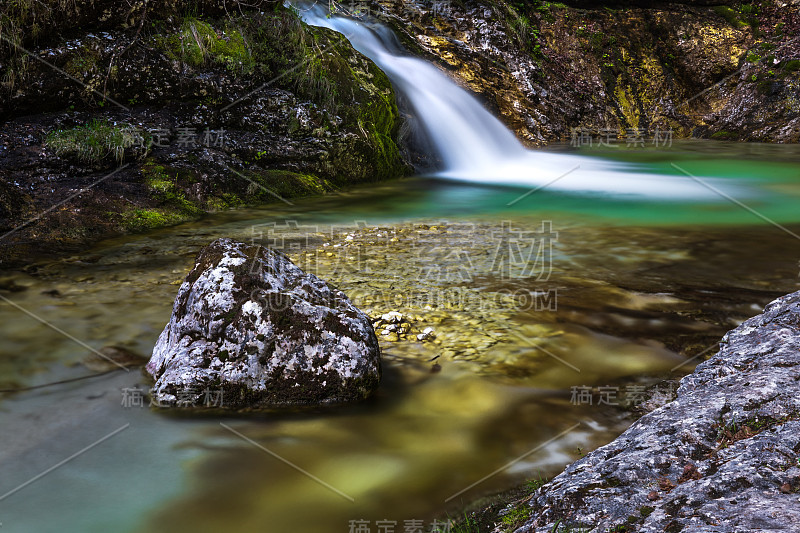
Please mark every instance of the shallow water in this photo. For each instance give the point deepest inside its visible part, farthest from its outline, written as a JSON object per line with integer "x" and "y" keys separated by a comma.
{"x": 636, "y": 291}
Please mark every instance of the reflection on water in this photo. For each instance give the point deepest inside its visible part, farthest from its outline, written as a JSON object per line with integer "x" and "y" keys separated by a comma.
{"x": 640, "y": 289}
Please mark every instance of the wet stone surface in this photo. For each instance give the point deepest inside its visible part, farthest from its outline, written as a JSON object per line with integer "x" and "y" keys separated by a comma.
{"x": 724, "y": 456}
{"x": 251, "y": 324}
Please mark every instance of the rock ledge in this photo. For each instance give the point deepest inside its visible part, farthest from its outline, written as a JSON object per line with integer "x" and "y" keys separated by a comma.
{"x": 723, "y": 457}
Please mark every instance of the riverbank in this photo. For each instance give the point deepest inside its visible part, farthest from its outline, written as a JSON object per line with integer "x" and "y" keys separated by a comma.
{"x": 725, "y": 454}
{"x": 145, "y": 119}
{"x": 160, "y": 114}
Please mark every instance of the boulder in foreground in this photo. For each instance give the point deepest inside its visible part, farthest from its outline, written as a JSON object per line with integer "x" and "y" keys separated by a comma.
{"x": 723, "y": 457}
{"x": 251, "y": 329}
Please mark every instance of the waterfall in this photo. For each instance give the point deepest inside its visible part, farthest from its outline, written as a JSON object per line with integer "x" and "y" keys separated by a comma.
{"x": 475, "y": 146}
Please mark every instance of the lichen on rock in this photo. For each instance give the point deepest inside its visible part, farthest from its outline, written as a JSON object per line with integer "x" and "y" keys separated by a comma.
{"x": 723, "y": 456}
{"x": 251, "y": 324}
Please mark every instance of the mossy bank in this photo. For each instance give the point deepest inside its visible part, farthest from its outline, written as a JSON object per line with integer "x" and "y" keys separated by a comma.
{"x": 135, "y": 119}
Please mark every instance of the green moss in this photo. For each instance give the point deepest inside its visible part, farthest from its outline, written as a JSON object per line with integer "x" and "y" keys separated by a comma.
{"x": 765, "y": 87}
{"x": 516, "y": 517}
{"x": 752, "y": 57}
{"x": 791, "y": 66}
{"x": 198, "y": 42}
{"x": 730, "y": 15}
{"x": 264, "y": 185}
{"x": 137, "y": 220}
{"x": 83, "y": 62}
{"x": 224, "y": 201}
{"x": 165, "y": 187}
{"x": 96, "y": 141}
{"x": 378, "y": 119}
{"x": 723, "y": 135}
{"x": 276, "y": 44}
{"x": 626, "y": 103}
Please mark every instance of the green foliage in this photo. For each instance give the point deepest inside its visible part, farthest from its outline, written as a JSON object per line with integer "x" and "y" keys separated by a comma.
{"x": 524, "y": 32}
{"x": 96, "y": 141}
{"x": 752, "y": 57}
{"x": 144, "y": 219}
{"x": 535, "y": 484}
{"x": 465, "y": 525}
{"x": 166, "y": 189}
{"x": 20, "y": 19}
{"x": 287, "y": 49}
{"x": 597, "y": 41}
{"x": 198, "y": 43}
{"x": 748, "y": 9}
{"x": 82, "y": 62}
{"x": 274, "y": 44}
{"x": 516, "y": 517}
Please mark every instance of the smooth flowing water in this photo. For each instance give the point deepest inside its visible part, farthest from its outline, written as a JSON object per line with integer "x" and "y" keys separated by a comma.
{"x": 475, "y": 146}
{"x": 638, "y": 292}
{"x": 533, "y": 296}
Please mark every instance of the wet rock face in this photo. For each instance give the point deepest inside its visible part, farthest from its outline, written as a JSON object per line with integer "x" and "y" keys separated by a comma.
{"x": 548, "y": 68}
{"x": 205, "y": 110}
{"x": 251, "y": 324}
{"x": 724, "y": 455}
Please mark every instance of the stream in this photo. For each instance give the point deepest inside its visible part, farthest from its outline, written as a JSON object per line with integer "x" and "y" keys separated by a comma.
{"x": 625, "y": 274}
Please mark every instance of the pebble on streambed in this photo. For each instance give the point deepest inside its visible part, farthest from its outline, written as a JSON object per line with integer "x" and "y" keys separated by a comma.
{"x": 394, "y": 326}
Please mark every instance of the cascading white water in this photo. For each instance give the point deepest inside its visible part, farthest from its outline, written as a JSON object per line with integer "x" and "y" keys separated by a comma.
{"x": 475, "y": 146}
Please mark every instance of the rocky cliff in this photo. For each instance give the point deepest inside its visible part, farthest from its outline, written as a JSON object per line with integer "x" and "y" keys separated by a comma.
{"x": 726, "y": 71}
{"x": 120, "y": 118}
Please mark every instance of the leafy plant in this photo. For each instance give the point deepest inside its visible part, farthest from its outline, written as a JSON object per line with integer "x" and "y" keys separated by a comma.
{"x": 96, "y": 141}
{"x": 465, "y": 525}
{"x": 535, "y": 484}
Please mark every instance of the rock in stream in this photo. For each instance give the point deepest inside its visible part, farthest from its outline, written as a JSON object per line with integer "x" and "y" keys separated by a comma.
{"x": 254, "y": 330}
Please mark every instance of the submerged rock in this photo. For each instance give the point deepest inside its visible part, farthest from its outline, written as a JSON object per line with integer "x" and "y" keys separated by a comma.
{"x": 112, "y": 358}
{"x": 252, "y": 328}
{"x": 724, "y": 456}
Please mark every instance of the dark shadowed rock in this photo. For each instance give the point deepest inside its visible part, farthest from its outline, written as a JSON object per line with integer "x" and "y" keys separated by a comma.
{"x": 249, "y": 322}
{"x": 722, "y": 457}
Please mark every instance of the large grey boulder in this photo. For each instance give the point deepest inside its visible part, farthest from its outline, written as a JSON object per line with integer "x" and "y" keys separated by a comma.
{"x": 724, "y": 456}
{"x": 251, "y": 329}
